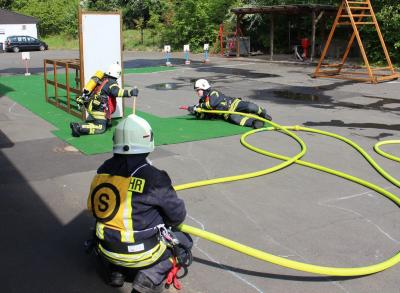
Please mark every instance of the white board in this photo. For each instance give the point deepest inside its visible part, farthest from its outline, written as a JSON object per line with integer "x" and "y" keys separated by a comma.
{"x": 100, "y": 46}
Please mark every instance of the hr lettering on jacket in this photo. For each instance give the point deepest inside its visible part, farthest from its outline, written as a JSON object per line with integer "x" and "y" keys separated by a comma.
{"x": 136, "y": 185}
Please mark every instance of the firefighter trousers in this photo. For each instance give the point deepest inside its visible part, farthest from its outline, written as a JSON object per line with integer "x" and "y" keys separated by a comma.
{"x": 96, "y": 123}
{"x": 246, "y": 107}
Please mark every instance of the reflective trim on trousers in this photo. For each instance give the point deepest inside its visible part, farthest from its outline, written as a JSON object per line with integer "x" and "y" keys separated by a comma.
{"x": 137, "y": 260}
{"x": 232, "y": 107}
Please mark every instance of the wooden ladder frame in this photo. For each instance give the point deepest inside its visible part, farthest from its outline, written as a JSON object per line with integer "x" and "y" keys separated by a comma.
{"x": 356, "y": 13}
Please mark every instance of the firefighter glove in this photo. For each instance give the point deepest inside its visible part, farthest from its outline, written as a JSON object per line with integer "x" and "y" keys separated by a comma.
{"x": 192, "y": 109}
{"x": 80, "y": 100}
{"x": 134, "y": 92}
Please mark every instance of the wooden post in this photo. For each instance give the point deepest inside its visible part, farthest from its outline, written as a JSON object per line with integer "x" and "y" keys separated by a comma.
{"x": 237, "y": 36}
{"x": 272, "y": 38}
{"x": 45, "y": 81}
{"x": 67, "y": 88}
{"x": 313, "y": 29}
{"x": 387, "y": 56}
{"x": 290, "y": 37}
{"x": 55, "y": 82}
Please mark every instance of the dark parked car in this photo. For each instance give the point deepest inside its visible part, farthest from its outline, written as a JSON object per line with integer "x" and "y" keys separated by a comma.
{"x": 24, "y": 43}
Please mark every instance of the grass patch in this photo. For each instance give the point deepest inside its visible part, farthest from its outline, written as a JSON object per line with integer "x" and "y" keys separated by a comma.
{"x": 62, "y": 42}
{"x": 132, "y": 41}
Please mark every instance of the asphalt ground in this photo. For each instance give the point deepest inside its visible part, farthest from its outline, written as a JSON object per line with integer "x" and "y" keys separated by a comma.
{"x": 296, "y": 213}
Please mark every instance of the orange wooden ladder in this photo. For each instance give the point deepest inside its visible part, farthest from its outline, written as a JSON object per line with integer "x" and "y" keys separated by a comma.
{"x": 356, "y": 13}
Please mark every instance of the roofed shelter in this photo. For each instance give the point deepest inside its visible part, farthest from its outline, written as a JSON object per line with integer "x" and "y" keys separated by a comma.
{"x": 315, "y": 10}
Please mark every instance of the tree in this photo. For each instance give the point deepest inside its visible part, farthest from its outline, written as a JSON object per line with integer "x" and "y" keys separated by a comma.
{"x": 5, "y": 4}
{"x": 54, "y": 16}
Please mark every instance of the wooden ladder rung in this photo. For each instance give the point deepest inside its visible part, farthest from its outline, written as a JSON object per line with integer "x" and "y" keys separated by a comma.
{"x": 356, "y": 15}
{"x": 381, "y": 68}
{"x": 331, "y": 65}
{"x": 356, "y": 23}
{"x": 358, "y": 8}
{"x": 357, "y": 2}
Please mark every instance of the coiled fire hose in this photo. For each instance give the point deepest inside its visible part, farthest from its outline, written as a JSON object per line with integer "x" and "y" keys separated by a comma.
{"x": 321, "y": 270}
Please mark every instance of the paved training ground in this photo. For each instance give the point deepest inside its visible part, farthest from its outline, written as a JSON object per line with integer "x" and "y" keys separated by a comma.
{"x": 298, "y": 213}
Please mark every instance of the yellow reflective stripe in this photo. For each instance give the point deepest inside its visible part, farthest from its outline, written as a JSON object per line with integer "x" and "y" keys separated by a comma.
{"x": 121, "y": 92}
{"x": 234, "y": 105}
{"x": 232, "y": 108}
{"x": 127, "y": 234}
{"x": 215, "y": 92}
{"x": 90, "y": 106}
{"x": 91, "y": 126}
{"x": 259, "y": 110}
{"x": 136, "y": 260}
{"x": 98, "y": 115}
{"x": 100, "y": 230}
{"x": 243, "y": 121}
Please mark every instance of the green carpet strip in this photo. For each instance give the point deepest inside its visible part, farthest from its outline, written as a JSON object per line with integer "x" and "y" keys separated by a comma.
{"x": 28, "y": 91}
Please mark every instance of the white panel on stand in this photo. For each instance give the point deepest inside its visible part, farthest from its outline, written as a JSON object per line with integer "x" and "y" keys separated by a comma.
{"x": 101, "y": 46}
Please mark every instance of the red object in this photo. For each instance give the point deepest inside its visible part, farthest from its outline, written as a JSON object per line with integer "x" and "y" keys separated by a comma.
{"x": 221, "y": 38}
{"x": 112, "y": 106}
{"x": 183, "y": 107}
{"x": 172, "y": 276}
{"x": 305, "y": 44}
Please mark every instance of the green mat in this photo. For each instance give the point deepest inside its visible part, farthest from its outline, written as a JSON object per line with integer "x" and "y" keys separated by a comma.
{"x": 28, "y": 91}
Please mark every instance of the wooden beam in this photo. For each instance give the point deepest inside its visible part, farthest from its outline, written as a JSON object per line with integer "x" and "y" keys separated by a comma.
{"x": 272, "y": 38}
{"x": 313, "y": 30}
{"x": 237, "y": 36}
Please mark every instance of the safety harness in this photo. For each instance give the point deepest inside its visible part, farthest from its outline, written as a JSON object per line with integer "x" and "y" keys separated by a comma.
{"x": 98, "y": 105}
{"x": 182, "y": 257}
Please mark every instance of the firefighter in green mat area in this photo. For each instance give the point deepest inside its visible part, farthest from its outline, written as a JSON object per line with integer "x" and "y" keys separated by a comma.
{"x": 99, "y": 98}
{"x": 210, "y": 99}
{"x": 136, "y": 211}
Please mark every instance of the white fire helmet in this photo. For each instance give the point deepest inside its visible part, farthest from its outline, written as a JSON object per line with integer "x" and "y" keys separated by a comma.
{"x": 133, "y": 135}
{"x": 114, "y": 70}
{"x": 202, "y": 84}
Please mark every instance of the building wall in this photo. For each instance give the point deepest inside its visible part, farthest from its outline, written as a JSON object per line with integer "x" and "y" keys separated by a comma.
{"x": 17, "y": 30}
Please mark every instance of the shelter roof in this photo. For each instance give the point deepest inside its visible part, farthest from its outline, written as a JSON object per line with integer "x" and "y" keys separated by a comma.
{"x": 10, "y": 17}
{"x": 285, "y": 9}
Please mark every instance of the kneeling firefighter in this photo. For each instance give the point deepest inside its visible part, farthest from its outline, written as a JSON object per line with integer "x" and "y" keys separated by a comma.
{"x": 136, "y": 209}
{"x": 211, "y": 99}
{"x": 99, "y": 99}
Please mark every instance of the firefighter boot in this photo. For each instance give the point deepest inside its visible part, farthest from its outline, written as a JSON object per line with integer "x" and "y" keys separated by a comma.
{"x": 257, "y": 124}
{"x": 143, "y": 284}
{"x": 75, "y": 127}
{"x": 117, "y": 279}
{"x": 109, "y": 123}
{"x": 265, "y": 115}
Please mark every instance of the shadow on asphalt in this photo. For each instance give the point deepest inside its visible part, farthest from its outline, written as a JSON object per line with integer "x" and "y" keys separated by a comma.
{"x": 272, "y": 276}
{"x": 38, "y": 252}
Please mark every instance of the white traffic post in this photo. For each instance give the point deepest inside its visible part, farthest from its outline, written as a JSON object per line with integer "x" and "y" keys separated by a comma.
{"x": 206, "y": 60}
{"x": 26, "y": 56}
{"x": 167, "y": 50}
{"x": 186, "y": 49}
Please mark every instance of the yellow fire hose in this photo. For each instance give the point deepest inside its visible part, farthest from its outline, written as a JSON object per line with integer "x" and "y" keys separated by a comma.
{"x": 322, "y": 270}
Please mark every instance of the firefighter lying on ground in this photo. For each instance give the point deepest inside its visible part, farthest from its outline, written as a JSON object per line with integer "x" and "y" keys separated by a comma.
{"x": 99, "y": 99}
{"x": 214, "y": 100}
{"x": 134, "y": 203}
